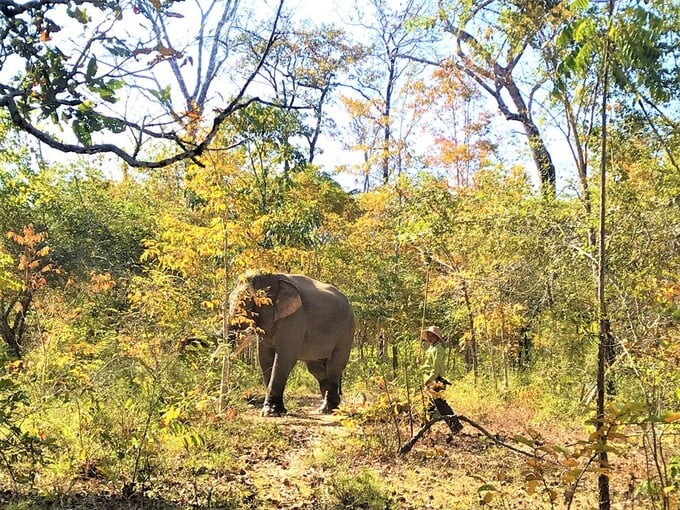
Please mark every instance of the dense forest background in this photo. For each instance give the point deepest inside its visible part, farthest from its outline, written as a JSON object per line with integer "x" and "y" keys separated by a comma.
{"x": 506, "y": 169}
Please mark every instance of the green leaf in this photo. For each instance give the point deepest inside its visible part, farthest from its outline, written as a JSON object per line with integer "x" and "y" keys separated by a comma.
{"x": 163, "y": 95}
{"x": 579, "y": 5}
{"x": 81, "y": 132}
{"x": 91, "y": 68}
{"x": 524, "y": 440}
{"x": 108, "y": 95}
{"x": 119, "y": 50}
{"x": 80, "y": 15}
{"x": 584, "y": 30}
{"x": 113, "y": 125}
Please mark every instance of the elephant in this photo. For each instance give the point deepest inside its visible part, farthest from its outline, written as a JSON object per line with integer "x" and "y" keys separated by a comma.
{"x": 295, "y": 318}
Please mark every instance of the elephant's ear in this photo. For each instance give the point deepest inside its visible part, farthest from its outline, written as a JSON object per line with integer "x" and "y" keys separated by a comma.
{"x": 287, "y": 302}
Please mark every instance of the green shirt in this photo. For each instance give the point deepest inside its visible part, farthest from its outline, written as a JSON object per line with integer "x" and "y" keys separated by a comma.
{"x": 433, "y": 362}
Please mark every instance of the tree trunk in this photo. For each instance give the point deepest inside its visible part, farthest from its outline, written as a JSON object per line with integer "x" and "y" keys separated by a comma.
{"x": 504, "y": 353}
{"x": 386, "y": 120}
{"x": 493, "y": 77}
{"x": 11, "y": 334}
{"x": 10, "y": 339}
{"x": 471, "y": 346}
{"x": 539, "y": 151}
{"x": 318, "y": 117}
{"x": 226, "y": 354}
{"x": 603, "y": 319}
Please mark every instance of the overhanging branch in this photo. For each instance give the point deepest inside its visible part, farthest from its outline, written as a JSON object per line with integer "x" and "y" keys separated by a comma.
{"x": 188, "y": 149}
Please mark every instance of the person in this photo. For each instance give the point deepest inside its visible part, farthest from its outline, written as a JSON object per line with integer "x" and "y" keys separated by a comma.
{"x": 435, "y": 384}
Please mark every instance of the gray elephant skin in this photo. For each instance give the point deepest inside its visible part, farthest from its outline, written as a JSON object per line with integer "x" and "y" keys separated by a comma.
{"x": 306, "y": 320}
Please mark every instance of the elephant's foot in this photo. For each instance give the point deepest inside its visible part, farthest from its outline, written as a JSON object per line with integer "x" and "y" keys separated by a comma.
{"x": 330, "y": 403}
{"x": 325, "y": 409}
{"x": 273, "y": 409}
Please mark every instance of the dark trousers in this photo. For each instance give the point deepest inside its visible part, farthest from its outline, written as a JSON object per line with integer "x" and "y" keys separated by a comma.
{"x": 440, "y": 407}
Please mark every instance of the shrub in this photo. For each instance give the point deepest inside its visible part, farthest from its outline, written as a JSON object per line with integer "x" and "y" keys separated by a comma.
{"x": 363, "y": 490}
{"x": 21, "y": 450}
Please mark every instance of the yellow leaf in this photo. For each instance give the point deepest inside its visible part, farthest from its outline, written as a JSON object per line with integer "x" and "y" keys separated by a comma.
{"x": 166, "y": 52}
{"x": 348, "y": 423}
{"x": 170, "y": 415}
{"x": 569, "y": 476}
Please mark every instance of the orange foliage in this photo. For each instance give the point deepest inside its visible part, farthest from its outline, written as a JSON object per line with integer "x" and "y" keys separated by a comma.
{"x": 31, "y": 261}
{"x": 100, "y": 283}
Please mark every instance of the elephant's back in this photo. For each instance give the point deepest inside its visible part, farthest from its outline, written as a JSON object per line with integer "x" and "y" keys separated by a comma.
{"x": 323, "y": 301}
{"x": 330, "y": 320}
{"x": 316, "y": 292}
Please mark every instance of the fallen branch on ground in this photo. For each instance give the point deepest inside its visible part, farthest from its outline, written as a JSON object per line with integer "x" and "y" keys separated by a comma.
{"x": 411, "y": 443}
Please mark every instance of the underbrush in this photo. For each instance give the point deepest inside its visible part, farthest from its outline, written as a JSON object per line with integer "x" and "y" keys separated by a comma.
{"x": 155, "y": 437}
{"x": 557, "y": 437}
{"x": 364, "y": 489}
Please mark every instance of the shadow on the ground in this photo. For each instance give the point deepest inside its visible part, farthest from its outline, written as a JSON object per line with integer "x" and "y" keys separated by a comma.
{"x": 305, "y": 412}
{"x": 302, "y": 401}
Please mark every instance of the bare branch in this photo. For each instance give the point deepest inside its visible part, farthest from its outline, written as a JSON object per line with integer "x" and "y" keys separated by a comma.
{"x": 494, "y": 437}
{"x": 18, "y": 102}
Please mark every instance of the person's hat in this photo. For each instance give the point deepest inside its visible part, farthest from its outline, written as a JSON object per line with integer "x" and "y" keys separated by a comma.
{"x": 432, "y": 329}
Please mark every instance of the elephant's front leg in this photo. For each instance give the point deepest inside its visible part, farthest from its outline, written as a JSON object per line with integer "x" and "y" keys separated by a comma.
{"x": 273, "y": 404}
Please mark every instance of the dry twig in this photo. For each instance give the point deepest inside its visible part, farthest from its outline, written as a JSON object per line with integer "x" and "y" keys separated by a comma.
{"x": 411, "y": 443}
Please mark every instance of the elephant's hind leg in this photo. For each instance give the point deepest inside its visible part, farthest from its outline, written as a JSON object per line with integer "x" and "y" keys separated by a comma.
{"x": 334, "y": 368}
{"x": 317, "y": 368}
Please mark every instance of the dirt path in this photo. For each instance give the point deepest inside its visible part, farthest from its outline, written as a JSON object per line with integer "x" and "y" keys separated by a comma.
{"x": 294, "y": 474}
{"x": 301, "y": 454}
{"x": 291, "y": 475}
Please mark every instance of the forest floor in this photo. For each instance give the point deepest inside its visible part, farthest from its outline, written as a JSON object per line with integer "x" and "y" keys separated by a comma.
{"x": 337, "y": 461}
{"x": 306, "y": 460}
{"x": 303, "y": 476}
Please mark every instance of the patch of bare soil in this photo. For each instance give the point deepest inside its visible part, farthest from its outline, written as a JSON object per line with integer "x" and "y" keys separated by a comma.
{"x": 441, "y": 471}
{"x": 436, "y": 474}
{"x": 289, "y": 477}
